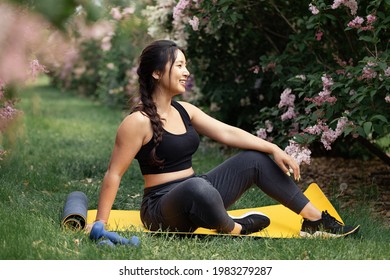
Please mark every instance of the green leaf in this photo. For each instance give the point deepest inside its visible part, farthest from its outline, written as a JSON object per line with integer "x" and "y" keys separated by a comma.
{"x": 348, "y": 130}
{"x": 379, "y": 117}
{"x": 367, "y": 126}
{"x": 300, "y": 139}
{"x": 366, "y": 39}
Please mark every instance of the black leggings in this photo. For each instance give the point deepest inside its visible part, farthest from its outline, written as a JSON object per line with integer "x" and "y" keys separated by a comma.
{"x": 202, "y": 200}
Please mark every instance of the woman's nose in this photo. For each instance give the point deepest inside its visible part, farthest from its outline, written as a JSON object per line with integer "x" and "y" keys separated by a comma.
{"x": 186, "y": 72}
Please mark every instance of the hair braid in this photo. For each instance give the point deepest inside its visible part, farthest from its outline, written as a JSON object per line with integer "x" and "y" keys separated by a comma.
{"x": 149, "y": 108}
{"x": 153, "y": 58}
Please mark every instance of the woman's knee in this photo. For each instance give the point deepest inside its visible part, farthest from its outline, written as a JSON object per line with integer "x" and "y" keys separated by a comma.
{"x": 202, "y": 190}
{"x": 251, "y": 155}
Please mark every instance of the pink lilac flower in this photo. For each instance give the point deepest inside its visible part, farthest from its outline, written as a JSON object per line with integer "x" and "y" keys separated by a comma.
{"x": 339, "y": 61}
{"x": 70, "y": 58}
{"x": 269, "y": 126}
{"x": 116, "y": 13}
{"x": 20, "y": 33}
{"x": 319, "y": 34}
{"x": 194, "y": 22}
{"x": 371, "y": 19}
{"x": 289, "y": 114}
{"x": 316, "y": 129}
{"x": 328, "y": 135}
{"x": 351, "y": 4}
{"x": 298, "y": 152}
{"x": 322, "y": 98}
{"x": 327, "y": 138}
{"x": 179, "y": 8}
{"x": 313, "y": 9}
{"x": 368, "y": 72}
{"x": 128, "y": 11}
{"x": 325, "y": 94}
{"x": 261, "y": 133}
{"x": 36, "y": 68}
{"x": 286, "y": 98}
{"x": 302, "y": 77}
{"x": 356, "y": 22}
{"x": 106, "y": 43}
{"x": 387, "y": 72}
{"x": 387, "y": 98}
{"x": 255, "y": 69}
{"x": 8, "y": 112}
{"x": 98, "y": 30}
{"x": 327, "y": 81}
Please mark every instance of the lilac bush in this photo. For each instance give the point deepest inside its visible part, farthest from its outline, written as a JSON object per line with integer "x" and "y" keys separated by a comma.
{"x": 304, "y": 75}
{"x": 350, "y": 97}
{"x": 31, "y": 37}
{"x": 18, "y": 62}
{"x": 101, "y": 62}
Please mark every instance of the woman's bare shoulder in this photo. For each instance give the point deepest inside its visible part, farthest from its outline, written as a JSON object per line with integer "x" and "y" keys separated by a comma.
{"x": 137, "y": 117}
{"x": 136, "y": 122}
{"x": 190, "y": 108}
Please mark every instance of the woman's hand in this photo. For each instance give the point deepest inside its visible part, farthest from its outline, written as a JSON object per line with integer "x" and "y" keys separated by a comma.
{"x": 286, "y": 163}
{"x": 88, "y": 227}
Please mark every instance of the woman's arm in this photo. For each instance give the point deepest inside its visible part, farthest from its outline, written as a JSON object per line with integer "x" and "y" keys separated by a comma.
{"x": 131, "y": 135}
{"x": 239, "y": 138}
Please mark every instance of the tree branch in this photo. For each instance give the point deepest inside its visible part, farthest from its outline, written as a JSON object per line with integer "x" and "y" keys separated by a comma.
{"x": 374, "y": 149}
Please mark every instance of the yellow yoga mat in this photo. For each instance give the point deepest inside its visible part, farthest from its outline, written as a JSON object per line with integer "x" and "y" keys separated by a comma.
{"x": 284, "y": 222}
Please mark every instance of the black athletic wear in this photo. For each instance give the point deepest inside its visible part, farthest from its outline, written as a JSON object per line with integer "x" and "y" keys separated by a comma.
{"x": 175, "y": 149}
{"x": 327, "y": 226}
{"x": 201, "y": 200}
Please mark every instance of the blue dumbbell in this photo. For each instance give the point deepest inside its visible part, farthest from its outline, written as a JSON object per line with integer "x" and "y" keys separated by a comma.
{"x": 106, "y": 242}
{"x": 98, "y": 232}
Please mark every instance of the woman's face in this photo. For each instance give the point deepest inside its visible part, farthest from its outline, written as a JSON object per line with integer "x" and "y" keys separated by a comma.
{"x": 174, "y": 79}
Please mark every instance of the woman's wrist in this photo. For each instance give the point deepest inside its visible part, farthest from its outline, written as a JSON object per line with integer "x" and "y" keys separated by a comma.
{"x": 274, "y": 149}
{"x": 101, "y": 220}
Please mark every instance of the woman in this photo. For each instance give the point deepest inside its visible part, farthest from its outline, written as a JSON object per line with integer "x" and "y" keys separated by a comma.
{"x": 162, "y": 134}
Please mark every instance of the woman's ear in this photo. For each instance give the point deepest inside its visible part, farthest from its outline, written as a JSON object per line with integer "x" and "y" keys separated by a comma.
{"x": 156, "y": 75}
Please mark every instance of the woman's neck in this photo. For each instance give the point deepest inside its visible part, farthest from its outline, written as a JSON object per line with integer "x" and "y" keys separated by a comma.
{"x": 163, "y": 104}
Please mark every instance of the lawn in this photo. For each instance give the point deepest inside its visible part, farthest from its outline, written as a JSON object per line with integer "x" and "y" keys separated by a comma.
{"x": 62, "y": 143}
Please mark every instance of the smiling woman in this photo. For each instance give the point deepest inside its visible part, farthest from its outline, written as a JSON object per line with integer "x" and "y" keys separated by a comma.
{"x": 162, "y": 134}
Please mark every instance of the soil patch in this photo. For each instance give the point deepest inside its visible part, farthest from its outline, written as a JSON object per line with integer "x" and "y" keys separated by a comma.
{"x": 352, "y": 181}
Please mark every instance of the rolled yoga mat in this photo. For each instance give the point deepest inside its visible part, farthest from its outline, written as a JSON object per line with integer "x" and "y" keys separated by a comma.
{"x": 75, "y": 211}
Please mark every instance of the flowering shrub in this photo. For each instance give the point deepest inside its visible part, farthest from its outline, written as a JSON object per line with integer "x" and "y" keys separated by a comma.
{"x": 18, "y": 63}
{"x": 31, "y": 32}
{"x": 101, "y": 62}
{"x": 304, "y": 74}
{"x": 349, "y": 96}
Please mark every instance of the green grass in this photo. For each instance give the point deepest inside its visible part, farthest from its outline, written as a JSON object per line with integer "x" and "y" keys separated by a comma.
{"x": 63, "y": 143}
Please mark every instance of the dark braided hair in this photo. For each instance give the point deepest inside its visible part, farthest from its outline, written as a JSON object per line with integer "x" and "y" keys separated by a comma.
{"x": 154, "y": 58}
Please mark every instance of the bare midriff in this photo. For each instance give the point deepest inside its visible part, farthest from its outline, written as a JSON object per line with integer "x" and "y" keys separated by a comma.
{"x": 157, "y": 179}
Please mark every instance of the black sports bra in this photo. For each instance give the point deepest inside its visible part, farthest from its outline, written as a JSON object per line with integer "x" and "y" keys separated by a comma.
{"x": 175, "y": 149}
